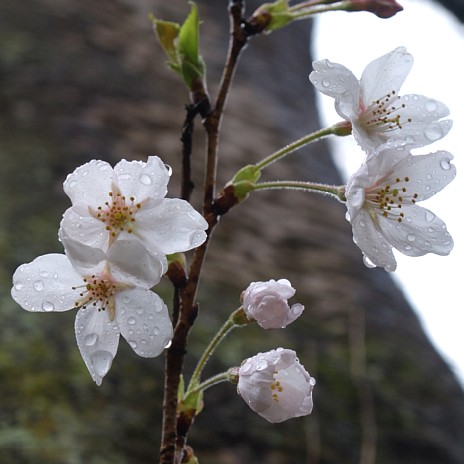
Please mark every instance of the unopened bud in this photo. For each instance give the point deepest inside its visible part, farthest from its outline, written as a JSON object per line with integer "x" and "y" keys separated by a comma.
{"x": 381, "y": 8}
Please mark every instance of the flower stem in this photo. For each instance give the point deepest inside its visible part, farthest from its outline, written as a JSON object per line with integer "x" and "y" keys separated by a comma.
{"x": 220, "y": 335}
{"x": 338, "y": 191}
{"x": 218, "y": 378}
{"x": 332, "y": 130}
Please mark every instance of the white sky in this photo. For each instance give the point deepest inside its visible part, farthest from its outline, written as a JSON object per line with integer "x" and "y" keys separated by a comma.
{"x": 434, "y": 284}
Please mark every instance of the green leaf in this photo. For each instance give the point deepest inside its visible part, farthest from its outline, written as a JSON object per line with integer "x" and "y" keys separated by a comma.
{"x": 250, "y": 173}
{"x": 168, "y": 33}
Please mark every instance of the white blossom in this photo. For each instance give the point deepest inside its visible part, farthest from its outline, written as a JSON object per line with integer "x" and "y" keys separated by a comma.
{"x": 129, "y": 202}
{"x": 276, "y": 386}
{"x": 382, "y": 198}
{"x": 266, "y": 302}
{"x": 113, "y": 293}
{"x": 374, "y": 107}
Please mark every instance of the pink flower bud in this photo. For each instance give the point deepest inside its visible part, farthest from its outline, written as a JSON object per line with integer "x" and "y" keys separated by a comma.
{"x": 266, "y": 302}
{"x": 381, "y": 8}
{"x": 276, "y": 386}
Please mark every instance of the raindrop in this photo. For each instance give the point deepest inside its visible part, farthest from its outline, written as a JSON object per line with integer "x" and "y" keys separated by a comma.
{"x": 38, "y": 286}
{"x": 131, "y": 321}
{"x": 429, "y": 176}
{"x": 407, "y": 247}
{"x": 44, "y": 274}
{"x": 145, "y": 179}
{"x": 126, "y": 299}
{"x": 411, "y": 237}
{"x": 18, "y": 286}
{"x": 433, "y": 133}
{"x": 139, "y": 311}
{"x": 133, "y": 344}
{"x": 156, "y": 330}
{"x": 431, "y": 106}
{"x": 429, "y": 216}
{"x": 368, "y": 263}
{"x": 169, "y": 169}
{"x": 168, "y": 344}
{"x": 362, "y": 223}
{"x": 91, "y": 339}
{"x": 445, "y": 164}
{"x": 101, "y": 361}
{"x": 48, "y": 306}
{"x": 325, "y": 82}
{"x": 262, "y": 365}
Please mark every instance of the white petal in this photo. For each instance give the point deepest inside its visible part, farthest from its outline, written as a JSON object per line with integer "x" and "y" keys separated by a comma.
{"x": 172, "y": 227}
{"x": 97, "y": 339}
{"x": 372, "y": 242}
{"x": 46, "y": 284}
{"x": 143, "y": 180}
{"x": 85, "y": 259}
{"x": 385, "y": 74}
{"x": 339, "y": 82}
{"x": 80, "y": 225}
{"x": 419, "y": 233}
{"x": 90, "y": 183}
{"x": 428, "y": 174}
{"x": 130, "y": 262}
{"x": 143, "y": 320}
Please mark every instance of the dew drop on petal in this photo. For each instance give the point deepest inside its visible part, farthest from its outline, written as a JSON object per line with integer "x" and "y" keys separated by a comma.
{"x": 156, "y": 330}
{"x": 133, "y": 344}
{"x": 445, "y": 164}
{"x": 262, "y": 365}
{"x": 368, "y": 263}
{"x": 431, "y": 106}
{"x": 362, "y": 223}
{"x": 145, "y": 179}
{"x": 411, "y": 237}
{"x": 168, "y": 344}
{"x": 18, "y": 286}
{"x": 429, "y": 176}
{"x": 131, "y": 321}
{"x": 38, "y": 286}
{"x": 73, "y": 183}
{"x": 101, "y": 361}
{"x": 429, "y": 216}
{"x": 169, "y": 169}
{"x": 433, "y": 133}
{"x": 325, "y": 82}
{"x": 91, "y": 339}
{"x": 407, "y": 247}
{"x": 139, "y": 311}
{"x": 48, "y": 306}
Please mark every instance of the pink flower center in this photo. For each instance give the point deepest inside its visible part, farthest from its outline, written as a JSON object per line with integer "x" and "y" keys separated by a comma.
{"x": 389, "y": 198}
{"x": 383, "y": 114}
{"x": 98, "y": 291}
{"x": 118, "y": 214}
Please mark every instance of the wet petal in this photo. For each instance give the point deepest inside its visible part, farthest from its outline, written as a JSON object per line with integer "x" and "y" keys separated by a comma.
{"x": 46, "y": 284}
{"x": 85, "y": 259}
{"x": 337, "y": 81}
{"x": 97, "y": 338}
{"x": 143, "y": 180}
{"x": 130, "y": 262}
{"x": 172, "y": 227}
{"x": 78, "y": 224}
{"x": 420, "y": 232}
{"x": 90, "y": 183}
{"x": 144, "y": 322}
{"x": 385, "y": 74}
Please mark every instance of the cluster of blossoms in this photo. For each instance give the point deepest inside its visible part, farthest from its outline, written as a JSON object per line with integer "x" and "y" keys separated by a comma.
{"x": 116, "y": 236}
{"x": 381, "y": 196}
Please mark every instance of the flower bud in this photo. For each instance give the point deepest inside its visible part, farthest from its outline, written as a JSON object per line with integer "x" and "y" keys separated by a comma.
{"x": 266, "y": 302}
{"x": 381, "y": 8}
{"x": 276, "y": 386}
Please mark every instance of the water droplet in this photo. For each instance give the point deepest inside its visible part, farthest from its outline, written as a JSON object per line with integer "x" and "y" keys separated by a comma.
{"x": 73, "y": 183}
{"x": 91, "y": 339}
{"x": 101, "y": 361}
{"x": 433, "y": 133}
{"x": 168, "y": 344}
{"x": 126, "y": 299}
{"x": 131, "y": 321}
{"x": 18, "y": 286}
{"x": 169, "y": 169}
{"x": 407, "y": 247}
{"x": 368, "y": 263}
{"x": 145, "y": 179}
{"x": 261, "y": 365}
{"x": 38, "y": 286}
{"x": 48, "y": 306}
{"x": 429, "y": 176}
{"x": 325, "y": 82}
{"x": 362, "y": 223}
{"x": 139, "y": 311}
{"x": 445, "y": 164}
{"x": 133, "y": 344}
{"x": 431, "y": 106}
{"x": 44, "y": 274}
{"x": 156, "y": 330}
{"x": 429, "y": 216}
{"x": 411, "y": 237}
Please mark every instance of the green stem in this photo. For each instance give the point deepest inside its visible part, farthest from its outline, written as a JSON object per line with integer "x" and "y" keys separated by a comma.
{"x": 218, "y": 378}
{"x": 304, "y": 10}
{"x": 338, "y": 191}
{"x": 333, "y": 130}
{"x": 220, "y": 335}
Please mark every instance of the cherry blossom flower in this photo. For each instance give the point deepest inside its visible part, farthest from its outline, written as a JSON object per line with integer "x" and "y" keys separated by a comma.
{"x": 266, "y": 302}
{"x": 276, "y": 386}
{"x": 112, "y": 291}
{"x": 128, "y": 202}
{"x": 382, "y": 198}
{"x": 374, "y": 107}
